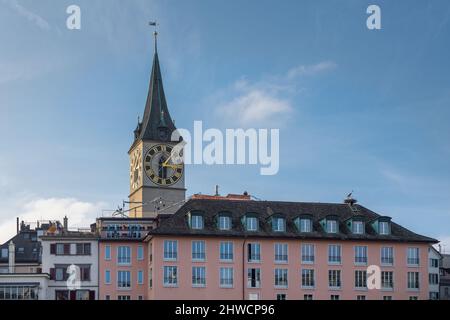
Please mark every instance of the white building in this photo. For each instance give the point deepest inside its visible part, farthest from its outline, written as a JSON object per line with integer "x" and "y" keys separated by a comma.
{"x": 434, "y": 261}
{"x": 71, "y": 260}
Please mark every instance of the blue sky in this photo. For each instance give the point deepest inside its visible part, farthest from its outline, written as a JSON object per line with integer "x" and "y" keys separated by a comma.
{"x": 361, "y": 110}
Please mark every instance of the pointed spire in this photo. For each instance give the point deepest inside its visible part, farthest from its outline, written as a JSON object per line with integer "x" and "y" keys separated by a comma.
{"x": 156, "y": 114}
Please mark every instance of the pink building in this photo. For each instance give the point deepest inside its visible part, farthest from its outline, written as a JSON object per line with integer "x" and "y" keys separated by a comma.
{"x": 123, "y": 258}
{"x": 217, "y": 248}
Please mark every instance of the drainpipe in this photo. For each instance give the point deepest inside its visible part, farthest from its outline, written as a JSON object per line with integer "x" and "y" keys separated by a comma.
{"x": 11, "y": 257}
{"x": 243, "y": 267}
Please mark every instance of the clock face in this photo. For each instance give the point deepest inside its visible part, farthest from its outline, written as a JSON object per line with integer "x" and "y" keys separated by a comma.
{"x": 159, "y": 166}
{"x": 136, "y": 170}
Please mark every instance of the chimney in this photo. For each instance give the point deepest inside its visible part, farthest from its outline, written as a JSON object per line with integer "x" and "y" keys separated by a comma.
{"x": 66, "y": 223}
{"x": 11, "y": 257}
{"x": 17, "y": 225}
{"x": 217, "y": 190}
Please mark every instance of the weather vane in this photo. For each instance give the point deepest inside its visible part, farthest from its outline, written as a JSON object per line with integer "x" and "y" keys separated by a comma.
{"x": 155, "y": 33}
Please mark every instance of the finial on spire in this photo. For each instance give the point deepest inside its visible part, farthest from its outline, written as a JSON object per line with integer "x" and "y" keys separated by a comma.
{"x": 155, "y": 33}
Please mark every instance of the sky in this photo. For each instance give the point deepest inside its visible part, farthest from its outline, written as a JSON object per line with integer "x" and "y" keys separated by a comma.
{"x": 358, "y": 109}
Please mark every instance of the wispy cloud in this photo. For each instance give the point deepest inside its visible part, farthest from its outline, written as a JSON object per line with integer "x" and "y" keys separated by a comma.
{"x": 27, "y": 14}
{"x": 311, "y": 70}
{"x": 80, "y": 213}
{"x": 268, "y": 101}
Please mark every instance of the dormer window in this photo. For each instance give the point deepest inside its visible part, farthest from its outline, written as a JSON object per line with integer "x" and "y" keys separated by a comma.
{"x": 224, "y": 221}
{"x": 278, "y": 224}
{"x": 332, "y": 226}
{"x": 384, "y": 228}
{"x": 303, "y": 224}
{"x": 382, "y": 225}
{"x": 251, "y": 223}
{"x": 196, "y": 221}
{"x": 358, "y": 227}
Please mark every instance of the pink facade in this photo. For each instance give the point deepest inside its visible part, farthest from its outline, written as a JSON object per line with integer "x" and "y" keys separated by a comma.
{"x": 127, "y": 278}
{"x": 184, "y": 288}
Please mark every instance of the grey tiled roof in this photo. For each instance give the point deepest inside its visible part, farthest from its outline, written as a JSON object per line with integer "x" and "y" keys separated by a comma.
{"x": 27, "y": 248}
{"x": 177, "y": 224}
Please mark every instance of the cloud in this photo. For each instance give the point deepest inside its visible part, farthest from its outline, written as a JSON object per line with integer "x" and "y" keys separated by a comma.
{"x": 267, "y": 102}
{"x": 81, "y": 214}
{"x": 311, "y": 70}
{"x": 27, "y": 14}
{"x": 256, "y": 107}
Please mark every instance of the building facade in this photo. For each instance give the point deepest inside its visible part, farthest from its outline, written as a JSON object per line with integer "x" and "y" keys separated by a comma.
{"x": 434, "y": 263}
{"x": 71, "y": 260}
{"x": 444, "y": 280}
{"x": 21, "y": 276}
{"x": 243, "y": 249}
{"x": 123, "y": 258}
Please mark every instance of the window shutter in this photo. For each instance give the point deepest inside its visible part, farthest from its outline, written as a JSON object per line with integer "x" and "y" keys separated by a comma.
{"x": 73, "y": 295}
{"x": 91, "y": 295}
{"x": 67, "y": 248}
{"x": 53, "y": 248}
{"x": 52, "y": 274}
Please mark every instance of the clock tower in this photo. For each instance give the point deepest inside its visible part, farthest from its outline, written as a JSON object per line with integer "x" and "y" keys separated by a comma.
{"x": 156, "y": 182}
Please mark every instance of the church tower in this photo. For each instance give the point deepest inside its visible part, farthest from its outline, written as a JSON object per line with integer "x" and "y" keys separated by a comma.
{"x": 156, "y": 182}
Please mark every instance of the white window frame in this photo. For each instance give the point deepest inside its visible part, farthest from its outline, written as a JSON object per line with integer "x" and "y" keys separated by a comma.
{"x": 198, "y": 272}
{"x": 123, "y": 276}
{"x": 361, "y": 255}
{"x": 310, "y": 277}
{"x": 249, "y": 258}
{"x": 108, "y": 253}
{"x": 225, "y": 222}
{"x": 107, "y": 272}
{"x": 413, "y": 256}
{"x": 390, "y": 256}
{"x": 332, "y": 226}
{"x": 281, "y": 274}
{"x": 334, "y": 250}
{"x": 310, "y": 252}
{"x": 360, "y": 279}
{"x": 197, "y": 222}
{"x": 413, "y": 278}
{"x": 226, "y": 274}
{"x": 170, "y": 284}
{"x": 251, "y": 224}
{"x": 199, "y": 255}
{"x": 281, "y": 250}
{"x": 171, "y": 254}
{"x": 334, "y": 277}
{"x": 140, "y": 277}
{"x": 384, "y": 228}
{"x": 124, "y": 255}
{"x": 278, "y": 224}
{"x": 140, "y": 253}
{"x": 226, "y": 249}
{"x": 358, "y": 227}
